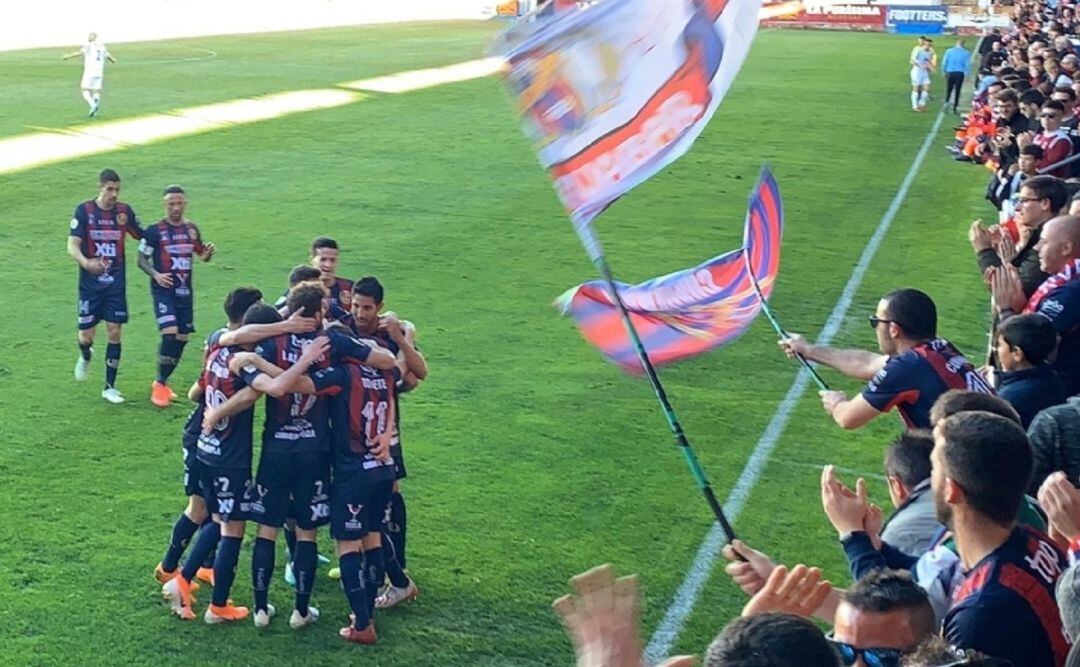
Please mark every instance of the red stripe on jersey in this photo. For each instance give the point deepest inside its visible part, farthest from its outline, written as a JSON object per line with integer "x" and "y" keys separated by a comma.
{"x": 973, "y": 583}
{"x": 1041, "y": 602}
{"x": 909, "y": 397}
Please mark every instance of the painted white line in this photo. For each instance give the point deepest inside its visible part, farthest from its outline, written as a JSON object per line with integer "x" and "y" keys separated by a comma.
{"x": 426, "y": 78}
{"x": 686, "y": 596}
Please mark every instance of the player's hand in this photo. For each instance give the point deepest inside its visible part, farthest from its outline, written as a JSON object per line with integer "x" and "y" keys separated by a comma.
{"x": 845, "y": 508}
{"x": 297, "y": 323}
{"x": 800, "y": 591}
{"x": 979, "y": 236}
{"x": 380, "y": 446}
{"x": 1061, "y": 501}
{"x": 209, "y": 420}
{"x": 163, "y": 279}
{"x": 315, "y": 350}
{"x": 830, "y": 398}
{"x": 241, "y": 359}
{"x": 208, "y": 251}
{"x": 747, "y": 567}
{"x": 96, "y": 266}
{"x": 393, "y": 327}
{"x": 794, "y": 344}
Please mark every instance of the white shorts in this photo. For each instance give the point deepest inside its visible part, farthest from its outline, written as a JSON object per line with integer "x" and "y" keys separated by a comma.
{"x": 920, "y": 77}
{"x": 91, "y": 81}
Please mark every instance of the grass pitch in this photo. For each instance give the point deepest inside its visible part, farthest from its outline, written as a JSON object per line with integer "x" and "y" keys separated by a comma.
{"x": 530, "y": 458}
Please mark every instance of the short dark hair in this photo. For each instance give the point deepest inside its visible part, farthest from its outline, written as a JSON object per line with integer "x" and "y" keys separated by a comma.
{"x": 239, "y": 300}
{"x": 956, "y": 401}
{"x": 369, "y": 286}
{"x": 1048, "y": 187}
{"x": 173, "y": 190}
{"x": 1054, "y": 104}
{"x": 304, "y": 273}
{"x": 322, "y": 242}
{"x": 1034, "y": 150}
{"x": 886, "y": 591}
{"x": 1032, "y": 96}
{"x": 108, "y": 176}
{"x": 1006, "y": 96}
{"x": 1020, "y": 86}
{"x": 1067, "y": 91}
{"x": 1032, "y": 333}
{"x": 908, "y": 456}
{"x": 771, "y": 640}
{"x": 306, "y": 300}
{"x": 989, "y": 457}
{"x": 914, "y": 312}
{"x": 261, "y": 313}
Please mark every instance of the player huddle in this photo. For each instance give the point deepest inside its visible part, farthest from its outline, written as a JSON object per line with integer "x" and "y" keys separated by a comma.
{"x": 331, "y": 366}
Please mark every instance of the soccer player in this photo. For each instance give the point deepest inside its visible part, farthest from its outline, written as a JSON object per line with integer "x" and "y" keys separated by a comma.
{"x": 324, "y": 257}
{"x": 96, "y": 244}
{"x": 94, "y": 56}
{"x": 165, "y": 254}
{"x": 224, "y": 453}
{"x": 293, "y": 478}
{"x": 310, "y": 275}
{"x": 235, "y": 333}
{"x": 922, "y": 62}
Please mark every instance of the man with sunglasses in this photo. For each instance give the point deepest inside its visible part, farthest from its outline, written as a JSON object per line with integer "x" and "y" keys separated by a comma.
{"x": 1053, "y": 139}
{"x": 883, "y": 617}
{"x": 913, "y": 368}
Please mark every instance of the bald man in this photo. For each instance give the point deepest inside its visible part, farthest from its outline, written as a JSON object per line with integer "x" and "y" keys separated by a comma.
{"x": 1058, "y": 297}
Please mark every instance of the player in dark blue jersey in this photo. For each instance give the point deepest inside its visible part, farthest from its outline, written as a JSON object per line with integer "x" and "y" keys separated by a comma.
{"x": 913, "y": 369}
{"x": 96, "y": 243}
{"x": 368, "y": 322}
{"x": 304, "y": 274}
{"x": 166, "y": 254}
{"x": 237, "y": 303}
{"x": 293, "y": 478}
{"x": 1005, "y": 606}
{"x": 324, "y": 257}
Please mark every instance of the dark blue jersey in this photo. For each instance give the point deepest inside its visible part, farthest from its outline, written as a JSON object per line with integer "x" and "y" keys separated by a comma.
{"x": 913, "y": 381}
{"x": 360, "y": 403}
{"x": 172, "y": 249}
{"x": 102, "y": 234}
{"x": 193, "y": 426}
{"x": 300, "y": 422}
{"x": 1005, "y": 606}
{"x": 229, "y": 443}
{"x": 340, "y": 295}
{"x": 1062, "y": 308}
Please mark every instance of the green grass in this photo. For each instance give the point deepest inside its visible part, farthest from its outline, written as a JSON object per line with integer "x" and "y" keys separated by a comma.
{"x": 530, "y": 458}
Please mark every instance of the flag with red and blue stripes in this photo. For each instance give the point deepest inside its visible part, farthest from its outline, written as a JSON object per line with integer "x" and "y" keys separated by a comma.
{"x": 688, "y": 312}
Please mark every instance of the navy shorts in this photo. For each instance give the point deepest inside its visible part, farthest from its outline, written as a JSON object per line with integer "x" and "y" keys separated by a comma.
{"x": 97, "y": 306}
{"x": 192, "y": 473}
{"x": 293, "y": 485}
{"x": 227, "y": 491}
{"x": 358, "y": 506}
{"x": 173, "y": 312}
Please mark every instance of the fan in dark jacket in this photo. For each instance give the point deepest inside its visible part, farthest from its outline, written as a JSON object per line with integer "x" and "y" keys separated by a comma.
{"x": 1026, "y": 381}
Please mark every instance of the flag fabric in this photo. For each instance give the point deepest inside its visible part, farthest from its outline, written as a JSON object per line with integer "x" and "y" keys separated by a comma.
{"x": 692, "y": 311}
{"x": 612, "y": 92}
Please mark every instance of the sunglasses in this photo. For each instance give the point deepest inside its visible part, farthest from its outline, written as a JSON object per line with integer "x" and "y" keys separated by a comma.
{"x": 1048, "y": 115}
{"x": 873, "y": 657}
{"x": 875, "y": 321}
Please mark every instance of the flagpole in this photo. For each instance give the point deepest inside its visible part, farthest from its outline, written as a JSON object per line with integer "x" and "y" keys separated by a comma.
{"x": 592, "y": 244}
{"x": 776, "y": 323}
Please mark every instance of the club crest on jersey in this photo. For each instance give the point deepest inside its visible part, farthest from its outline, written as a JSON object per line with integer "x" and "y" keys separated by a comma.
{"x": 74, "y": 223}
{"x": 121, "y": 219}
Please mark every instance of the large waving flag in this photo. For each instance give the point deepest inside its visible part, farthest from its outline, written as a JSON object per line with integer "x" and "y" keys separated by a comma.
{"x": 613, "y": 92}
{"x": 688, "y": 312}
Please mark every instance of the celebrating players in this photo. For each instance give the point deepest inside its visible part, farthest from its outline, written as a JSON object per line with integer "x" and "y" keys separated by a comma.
{"x": 165, "y": 254}
{"x": 96, "y": 243}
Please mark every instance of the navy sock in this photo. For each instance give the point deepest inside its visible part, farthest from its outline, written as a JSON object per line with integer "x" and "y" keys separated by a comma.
{"x": 262, "y": 569}
{"x": 168, "y": 356}
{"x": 84, "y": 350}
{"x": 208, "y": 538}
{"x": 228, "y": 554}
{"x": 352, "y": 580}
{"x": 112, "y": 363}
{"x": 290, "y": 542}
{"x": 304, "y": 561}
{"x": 182, "y": 531}
{"x": 394, "y": 571}
{"x": 374, "y": 571}
{"x": 396, "y": 528}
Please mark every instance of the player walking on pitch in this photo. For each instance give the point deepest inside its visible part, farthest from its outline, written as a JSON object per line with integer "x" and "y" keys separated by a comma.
{"x": 94, "y": 55}
{"x": 922, "y": 61}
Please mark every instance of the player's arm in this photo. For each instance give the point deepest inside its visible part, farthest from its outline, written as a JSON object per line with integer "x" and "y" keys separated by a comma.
{"x": 287, "y": 382}
{"x": 375, "y": 357}
{"x": 249, "y": 334}
{"x": 195, "y": 393}
{"x": 237, "y": 403}
{"x": 404, "y": 335}
{"x": 73, "y": 54}
{"x": 146, "y": 264}
{"x": 859, "y": 364}
{"x": 109, "y": 57}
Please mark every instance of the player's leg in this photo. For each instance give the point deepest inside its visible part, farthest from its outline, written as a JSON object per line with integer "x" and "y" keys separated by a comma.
{"x": 401, "y": 588}
{"x": 354, "y": 516}
{"x": 230, "y": 512}
{"x": 178, "y": 589}
{"x": 166, "y": 311}
{"x": 115, "y": 306}
{"x": 311, "y": 509}
{"x": 268, "y": 506}
{"x": 924, "y": 96}
{"x": 194, "y": 515}
{"x": 90, "y": 311}
{"x": 353, "y": 581}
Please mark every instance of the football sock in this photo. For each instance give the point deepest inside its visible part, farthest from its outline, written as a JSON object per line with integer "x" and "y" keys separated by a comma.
{"x": 207, "y": 540}
{"x": 112, "y": 363}
{"x": 168, "y": 356}
{"x": 97, "y": 100}
{"x": 924, "y": 98}
{"x": 393, "y": 568}
{"x": 304, "y": 561}
{"x": 290, "y": 543}
{"x": 374, "y": 571}
{"x": 397, "y": 526}
{"x": 914, "y": 100}
{"x": 182, "y": 531}
{"x": 352, "y": 580}
{"x": 228, "y": 554}
{"x": 84, "y": 350}
{"x": 262, "y": 568}
{"x": 88, "y": 97}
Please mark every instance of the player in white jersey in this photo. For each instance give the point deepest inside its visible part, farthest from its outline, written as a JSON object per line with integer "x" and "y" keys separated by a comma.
{"x": 922, "y": 61}
{"x": 94, "y": 56}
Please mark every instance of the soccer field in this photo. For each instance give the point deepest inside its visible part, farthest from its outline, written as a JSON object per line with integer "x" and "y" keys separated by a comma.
{"x": 530, "y": 458}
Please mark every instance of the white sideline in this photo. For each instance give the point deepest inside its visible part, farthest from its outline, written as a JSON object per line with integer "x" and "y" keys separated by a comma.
{"x": 27, "y": 151}
{"x": 686, "y": 596}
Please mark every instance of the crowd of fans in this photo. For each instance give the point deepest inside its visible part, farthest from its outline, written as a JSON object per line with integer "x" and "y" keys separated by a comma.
{"x": 977, "y": 561}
